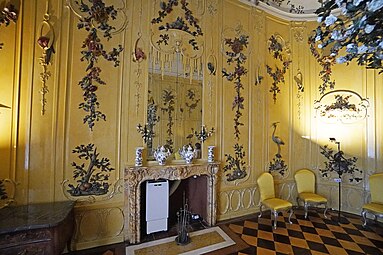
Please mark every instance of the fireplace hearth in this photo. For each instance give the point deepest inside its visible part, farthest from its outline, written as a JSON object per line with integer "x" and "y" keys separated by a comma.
{"x": 136, "y": 175}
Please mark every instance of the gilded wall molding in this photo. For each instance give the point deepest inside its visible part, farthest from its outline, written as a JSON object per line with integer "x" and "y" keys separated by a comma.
{"x": 212, "y": 7}
{"x": 92, "y": 225}
{"x": 234, "y": 200}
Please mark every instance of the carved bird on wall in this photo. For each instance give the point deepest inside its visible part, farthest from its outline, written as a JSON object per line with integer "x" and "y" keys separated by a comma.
{"x": 277, "y": 139}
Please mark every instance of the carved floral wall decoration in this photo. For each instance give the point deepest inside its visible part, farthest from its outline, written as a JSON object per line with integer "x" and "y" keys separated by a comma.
{"x": 8, "y": 15}
{"x": 277, "y": 49}
{"x": 176, "y": 35}
{"x": 339, "y": 164}
{"x": 96, "y": 21}
{"x": 188, "y": 23}
{"x": 326, "y": 62}
{"x": 236, "y": 165}
{"x": 93, "y": 178}
{"x": 343, "y": 106}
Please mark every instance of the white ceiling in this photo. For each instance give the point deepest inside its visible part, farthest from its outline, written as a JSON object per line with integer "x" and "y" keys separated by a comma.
{"x": 290, "y": 9}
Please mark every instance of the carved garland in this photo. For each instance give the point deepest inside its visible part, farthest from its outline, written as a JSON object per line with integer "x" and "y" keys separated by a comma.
{"x": 181, "y": 23}
{"x": 236, "y": 164}
{"x": 93, "y": 49}
{"x": 276, "y": 49}
{"x": 326, "y": 62}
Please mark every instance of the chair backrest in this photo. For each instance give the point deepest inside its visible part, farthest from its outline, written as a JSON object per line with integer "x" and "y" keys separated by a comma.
{"x": 376, "y": 188}
{"x": 305, "y": 181}
{"x": 266, "y": 186}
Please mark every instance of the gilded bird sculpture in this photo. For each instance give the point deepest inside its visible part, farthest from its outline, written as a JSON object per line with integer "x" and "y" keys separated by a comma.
{"x": 277, "y": 139}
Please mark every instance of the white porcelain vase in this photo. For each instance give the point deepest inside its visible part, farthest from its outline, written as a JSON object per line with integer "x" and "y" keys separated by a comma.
{"x": 161, "y": 154}
{"x": 187, "y": 153}
{"x": 139, "y": 159}
{"x": 210, "y": 154}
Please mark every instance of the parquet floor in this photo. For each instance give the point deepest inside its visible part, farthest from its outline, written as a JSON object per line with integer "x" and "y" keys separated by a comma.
{"x": 314, "y": 236}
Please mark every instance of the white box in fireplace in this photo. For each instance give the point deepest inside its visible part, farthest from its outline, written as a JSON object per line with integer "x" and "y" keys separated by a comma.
{"x": 157, "y": 206}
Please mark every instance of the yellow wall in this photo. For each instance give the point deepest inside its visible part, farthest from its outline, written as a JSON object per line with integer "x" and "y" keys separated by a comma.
{"x": 36, "y": 150}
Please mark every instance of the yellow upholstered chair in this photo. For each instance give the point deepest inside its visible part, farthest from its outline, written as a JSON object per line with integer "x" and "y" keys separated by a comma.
{"x": 305, "y": 181}
{"x": 267, "y": 196}
{"x": 375, "y": 207}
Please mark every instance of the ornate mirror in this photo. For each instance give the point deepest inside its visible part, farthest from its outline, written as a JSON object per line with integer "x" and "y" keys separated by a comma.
{"x": 174, "y": 107}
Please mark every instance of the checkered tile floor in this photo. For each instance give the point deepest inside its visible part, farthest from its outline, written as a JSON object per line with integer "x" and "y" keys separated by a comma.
{"x": 314, "y": 236}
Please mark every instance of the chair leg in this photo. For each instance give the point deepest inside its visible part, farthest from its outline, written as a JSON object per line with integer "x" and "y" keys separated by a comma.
{"x": 291, "y": 213}
{"x": 306, "y": 209}
{"x": 364, "y": 212}
{"x": 275, "y": 219}
{"x": 260, "y": 211}
{"x": 325, "y": 210}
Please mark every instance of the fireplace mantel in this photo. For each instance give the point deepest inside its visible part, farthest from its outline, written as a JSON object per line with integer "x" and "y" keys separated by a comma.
{"x": 135, "y": 175}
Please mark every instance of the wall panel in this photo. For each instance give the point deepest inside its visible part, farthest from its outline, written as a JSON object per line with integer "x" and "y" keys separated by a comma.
{"x": 37, "y": 149}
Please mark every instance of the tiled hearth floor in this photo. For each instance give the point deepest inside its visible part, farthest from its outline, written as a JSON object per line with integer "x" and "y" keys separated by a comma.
{"x": 314, "y": 236}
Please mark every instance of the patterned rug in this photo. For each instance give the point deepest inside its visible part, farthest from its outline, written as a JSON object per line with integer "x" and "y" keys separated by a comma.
{"x": 202, "y": 241}
{"x": 314, "y": 236}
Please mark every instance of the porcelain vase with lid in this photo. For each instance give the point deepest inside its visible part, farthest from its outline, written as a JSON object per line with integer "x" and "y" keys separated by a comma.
{"x": 161, "y": 154}
{"x": 187, "y": 153}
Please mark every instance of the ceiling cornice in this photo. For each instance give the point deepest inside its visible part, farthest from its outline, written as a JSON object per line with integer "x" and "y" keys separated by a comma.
{"x": 285, "y": 14}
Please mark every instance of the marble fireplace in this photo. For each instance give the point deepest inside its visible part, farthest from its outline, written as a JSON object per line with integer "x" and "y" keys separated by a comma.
{"x": 136, "y": 175}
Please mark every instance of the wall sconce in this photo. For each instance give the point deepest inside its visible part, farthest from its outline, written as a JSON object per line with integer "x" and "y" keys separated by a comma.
{"x": 344, "y": 106}
{"x": 4, "y": 106}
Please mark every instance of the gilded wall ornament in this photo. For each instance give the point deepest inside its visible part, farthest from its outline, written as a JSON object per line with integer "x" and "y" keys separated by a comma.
{"x": 45, "y": 41}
